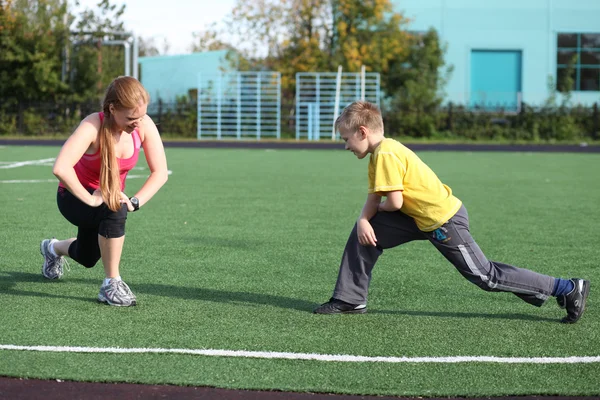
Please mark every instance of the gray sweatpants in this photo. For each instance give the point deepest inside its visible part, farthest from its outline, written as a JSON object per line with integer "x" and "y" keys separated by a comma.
{"x": 454, "y": 241}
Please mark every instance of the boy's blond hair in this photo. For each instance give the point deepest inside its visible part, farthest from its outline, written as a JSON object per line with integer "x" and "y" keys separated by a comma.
{"x": 360, "y": 113}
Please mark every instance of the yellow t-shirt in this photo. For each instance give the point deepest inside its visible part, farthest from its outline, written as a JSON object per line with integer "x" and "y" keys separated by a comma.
{"x": 427, "y": 200}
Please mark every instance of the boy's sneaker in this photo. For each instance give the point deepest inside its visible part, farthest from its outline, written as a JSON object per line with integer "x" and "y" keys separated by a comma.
{"x": 116, "y": 293}
{"x": 53, "y": 265}
{"x": 562, "y": 301}
{"x": 335, "y": 306}
{"x": 575, "y": 300}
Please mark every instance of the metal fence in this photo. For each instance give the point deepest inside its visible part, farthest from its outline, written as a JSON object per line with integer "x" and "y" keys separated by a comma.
{"x": 321, "y": 96}
{"x": 179, "y": 120}
{"x": 239, "y": 105}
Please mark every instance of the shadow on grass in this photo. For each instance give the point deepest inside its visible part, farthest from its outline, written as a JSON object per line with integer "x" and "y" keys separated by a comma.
{"x": 7, "y": 285}
{"x": 447, "y": 314}
{"x": 8, "y": 282}
{"x": 223, "y": 296}
{"x": 248, "y": 298}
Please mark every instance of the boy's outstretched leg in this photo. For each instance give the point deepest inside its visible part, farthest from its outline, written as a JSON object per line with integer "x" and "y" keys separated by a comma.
{"x": 455, "y": 242}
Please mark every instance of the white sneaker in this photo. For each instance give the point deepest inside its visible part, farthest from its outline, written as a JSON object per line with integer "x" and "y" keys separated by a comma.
{"x": 116, "y": 293}
{"x": 53, "y": 265}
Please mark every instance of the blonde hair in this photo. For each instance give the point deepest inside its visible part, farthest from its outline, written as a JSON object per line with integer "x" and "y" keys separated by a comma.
{"x": 123, "y": 93}
{"x": 360, "y": 113}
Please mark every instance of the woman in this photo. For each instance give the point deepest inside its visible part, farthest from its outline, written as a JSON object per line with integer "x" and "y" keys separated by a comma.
{"x": 92, "y": 166}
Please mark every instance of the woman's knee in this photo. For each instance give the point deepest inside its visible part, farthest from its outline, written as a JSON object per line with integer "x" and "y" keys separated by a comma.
{"x": 89, "y": 262}
{"x": 113, "y": 225}
{"x": 112, "y": 229}
{"x": 87, "y": 257}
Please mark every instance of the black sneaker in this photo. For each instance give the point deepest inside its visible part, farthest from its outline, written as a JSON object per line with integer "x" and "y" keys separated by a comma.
{"x": 562, "y": 301}
{"x": 575, "y": 300}
{"x": 335, "y": 306}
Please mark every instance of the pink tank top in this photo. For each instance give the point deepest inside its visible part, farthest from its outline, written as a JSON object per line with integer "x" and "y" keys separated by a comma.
{"x": 88, "y": 166}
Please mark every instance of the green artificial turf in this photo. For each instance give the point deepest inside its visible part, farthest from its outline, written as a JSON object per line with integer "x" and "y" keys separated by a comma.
{"x": 240, "y": 245}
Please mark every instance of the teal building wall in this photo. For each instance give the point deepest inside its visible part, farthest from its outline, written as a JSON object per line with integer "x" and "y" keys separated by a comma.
{"x": 524, "y": 32}
{"x": 166, "y": 77}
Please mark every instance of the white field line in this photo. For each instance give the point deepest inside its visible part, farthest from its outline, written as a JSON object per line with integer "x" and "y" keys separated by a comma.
{"x": 29, "y": 181}
{"x": 56, "y": 180}
{"x": 308, "y": 356}
{"x": 48, "y": 162}
{"x": 18, "y": 164}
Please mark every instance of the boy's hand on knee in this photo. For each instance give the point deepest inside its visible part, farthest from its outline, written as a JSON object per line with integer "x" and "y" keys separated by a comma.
{"x": 366, "y": 234}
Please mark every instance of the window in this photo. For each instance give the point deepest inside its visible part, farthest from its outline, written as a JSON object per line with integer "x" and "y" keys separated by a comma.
{"x": 584, "y": 48}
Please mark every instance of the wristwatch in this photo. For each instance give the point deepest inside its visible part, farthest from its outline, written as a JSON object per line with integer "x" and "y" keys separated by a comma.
{"x": 135, "y": 203}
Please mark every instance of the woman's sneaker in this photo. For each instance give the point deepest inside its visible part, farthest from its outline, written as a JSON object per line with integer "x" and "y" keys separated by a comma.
{"x": 116, "y": 293}
{"x": 53, "y": 265}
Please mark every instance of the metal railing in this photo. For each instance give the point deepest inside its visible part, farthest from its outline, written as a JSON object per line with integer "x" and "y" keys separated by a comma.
{"x": 239, "y": 105}
{"x": 318, "y": 94}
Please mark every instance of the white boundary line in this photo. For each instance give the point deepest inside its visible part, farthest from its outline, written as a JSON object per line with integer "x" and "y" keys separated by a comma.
{"x": 11, "y": 164}
{"x": 18, "y": 164}
{"x": 30, "y": 181}
{"x": 308, "y": 356}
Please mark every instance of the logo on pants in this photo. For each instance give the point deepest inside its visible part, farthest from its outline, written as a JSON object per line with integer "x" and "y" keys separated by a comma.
{"x": 441, "y": 235}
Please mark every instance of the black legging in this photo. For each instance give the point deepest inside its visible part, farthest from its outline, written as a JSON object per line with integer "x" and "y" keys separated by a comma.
{"x": 91, "y": 222}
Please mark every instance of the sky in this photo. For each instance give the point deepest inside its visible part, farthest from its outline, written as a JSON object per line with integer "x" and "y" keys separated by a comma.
{"x": 173, "y": 20}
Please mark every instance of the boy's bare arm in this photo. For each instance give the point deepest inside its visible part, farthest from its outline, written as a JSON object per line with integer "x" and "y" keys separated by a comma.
{"x": 364, "y": 230}
{"x": 393, "y": 201}
{"x": 370, "y": 207}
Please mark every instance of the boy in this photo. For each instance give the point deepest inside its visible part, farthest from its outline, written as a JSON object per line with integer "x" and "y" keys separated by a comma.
{"x": 417, "y": 207}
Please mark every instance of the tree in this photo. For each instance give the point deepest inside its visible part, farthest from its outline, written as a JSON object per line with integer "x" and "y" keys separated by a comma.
{"x": 94, "y": 65}
{"x": 415, "y": 85}
{"x": 147, "y": 47}
{"x": 208, "y": 40}
{"x": 566, "y": 78}
{"x": 36, "y": 49}
{"x": 318, "y": 35}
{"x": 369, "y": 33}
{"x": 260, "y": 26}
{"x": 33, "y": 35}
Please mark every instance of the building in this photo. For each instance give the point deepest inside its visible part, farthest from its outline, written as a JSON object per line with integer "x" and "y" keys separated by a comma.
{"x": 166, "y": 77}
{"x": 505, "y": 51}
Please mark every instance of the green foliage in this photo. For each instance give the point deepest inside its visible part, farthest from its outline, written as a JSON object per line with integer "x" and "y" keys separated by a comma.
{"x": 208, "y": 40}
{"x": 33, "y": 34}
{"x": 8, "y": 122}
{"x": 415, "y": 84}
{"x": 531, "y": 124}
{"x": 567, "y": 81}
{"x": 43, "y": 119}
{"x": 37, "y": 47}
{"x": 178, "y": 119}
{"x": 318, "y": 35}
{"x": 43, "y": 64}
{"x": 94, "y": 65}
{"x": 368, "y": 33}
